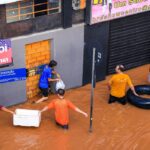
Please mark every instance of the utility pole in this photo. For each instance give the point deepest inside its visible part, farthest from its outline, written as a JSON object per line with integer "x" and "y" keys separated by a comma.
{"x": 93, "y": 82}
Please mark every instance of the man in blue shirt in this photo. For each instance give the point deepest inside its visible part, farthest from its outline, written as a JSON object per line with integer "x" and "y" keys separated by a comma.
{"x": 45, "y": 78}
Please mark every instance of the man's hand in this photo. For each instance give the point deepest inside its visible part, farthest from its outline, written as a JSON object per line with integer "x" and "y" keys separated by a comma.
{"x": 13, "y": 113}
{"x": 136, "y": 94}
{"x": 58, "y": 79}
{"x": 58, "y": 75}
{"x": 85, "y": 114}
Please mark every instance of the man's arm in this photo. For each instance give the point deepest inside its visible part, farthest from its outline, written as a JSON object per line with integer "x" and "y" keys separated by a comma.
{"x": 44, "y": 109}
{"x": 72, "y": 106}
{"x": 110, "y": 83}
{"x": 131, "y": 86}
{"x": 54, "y": 72}
{"x": 133, "y": 90}
{"x": 50, "y": 106}
{"x": 109, "y": 86}
{"x": 7, "y": 110}
{"x": 50, "y": 79}
{"x": 81, "y": 112}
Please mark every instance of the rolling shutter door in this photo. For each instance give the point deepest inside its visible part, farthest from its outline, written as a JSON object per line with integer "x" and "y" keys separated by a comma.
{"x": 129, "y": 41}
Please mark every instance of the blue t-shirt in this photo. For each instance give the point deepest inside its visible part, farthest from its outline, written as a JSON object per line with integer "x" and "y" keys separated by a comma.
{"x": 47, "y": 73}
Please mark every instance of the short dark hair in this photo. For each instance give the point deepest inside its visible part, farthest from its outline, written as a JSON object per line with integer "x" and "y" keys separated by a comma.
{"x": 121, "y": 68}
{"x": 53, "y": 63}
{"x": 61, "y": 92}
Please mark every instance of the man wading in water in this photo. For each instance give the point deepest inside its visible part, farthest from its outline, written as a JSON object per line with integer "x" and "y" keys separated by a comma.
{"x": 61, "y": 106}
{"x": 117, "y": 86}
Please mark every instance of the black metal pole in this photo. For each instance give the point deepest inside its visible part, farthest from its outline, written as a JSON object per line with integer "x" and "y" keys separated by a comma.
{"x": 92, "y": 90}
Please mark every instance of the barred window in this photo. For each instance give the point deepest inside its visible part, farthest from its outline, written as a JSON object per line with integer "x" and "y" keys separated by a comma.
{"x": 19, "y": 11}
{"x": 54, "y": 6}
{"x": 28, "y": 9}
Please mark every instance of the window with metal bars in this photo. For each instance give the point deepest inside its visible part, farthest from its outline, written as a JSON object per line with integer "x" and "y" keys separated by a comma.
{"x": 28, "y": 9}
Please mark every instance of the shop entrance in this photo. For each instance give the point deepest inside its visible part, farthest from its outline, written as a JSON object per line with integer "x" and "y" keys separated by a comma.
{"x": 129, "y": 42}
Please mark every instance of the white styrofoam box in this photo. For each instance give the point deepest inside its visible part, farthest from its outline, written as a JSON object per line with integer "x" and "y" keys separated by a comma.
{"x": 26, "y": 117}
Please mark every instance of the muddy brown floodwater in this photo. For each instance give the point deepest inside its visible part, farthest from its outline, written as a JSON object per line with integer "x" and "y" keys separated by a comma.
{"x": 115, "y": 127}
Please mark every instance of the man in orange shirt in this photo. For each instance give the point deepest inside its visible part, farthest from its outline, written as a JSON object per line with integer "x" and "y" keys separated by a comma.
{"x": 61, "y": 106}
{"x": 117, "y": 85}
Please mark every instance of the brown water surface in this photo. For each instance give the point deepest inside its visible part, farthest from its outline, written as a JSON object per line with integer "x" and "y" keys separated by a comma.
{"x": 115, "y": 127}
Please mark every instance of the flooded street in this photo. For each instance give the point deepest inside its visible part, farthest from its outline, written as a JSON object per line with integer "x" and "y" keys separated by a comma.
{"x": 115, "y": 126}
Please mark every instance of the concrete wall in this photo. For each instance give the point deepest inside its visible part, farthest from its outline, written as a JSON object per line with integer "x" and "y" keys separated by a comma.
{"x": 67, "y": 50}
{"x": 14, "y": 92}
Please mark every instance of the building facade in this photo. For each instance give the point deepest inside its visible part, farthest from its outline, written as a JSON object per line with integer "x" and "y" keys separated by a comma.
{"x": 41, "y": 30}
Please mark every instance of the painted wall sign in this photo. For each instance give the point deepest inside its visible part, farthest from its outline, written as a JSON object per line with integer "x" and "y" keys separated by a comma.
{"x": 35, "y": 70}
{"x": 5, "y": 52}
{"x": 12, "y": 75}
{"x": 8, "y": 1}
{"x": 104, "y": 10}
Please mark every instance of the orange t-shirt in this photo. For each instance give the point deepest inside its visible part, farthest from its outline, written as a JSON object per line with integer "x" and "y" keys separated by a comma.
{"x": 118, "y": 84}
{"x": 61, "y": 107}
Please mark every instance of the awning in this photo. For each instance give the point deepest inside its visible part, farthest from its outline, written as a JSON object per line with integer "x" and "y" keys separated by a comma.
{"x": 8, "y": 1}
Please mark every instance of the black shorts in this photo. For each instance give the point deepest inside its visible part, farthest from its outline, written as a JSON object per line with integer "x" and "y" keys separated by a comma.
{"x": 63, "y": 126}
{"x": 44, "y": 91}
{"x": 122, "y": 100}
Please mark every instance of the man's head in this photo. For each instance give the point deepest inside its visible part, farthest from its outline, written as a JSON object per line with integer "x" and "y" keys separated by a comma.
{"x": 119, "y": 68}
{"x": 52, "y": 63}
{"x": 61, "y": 92}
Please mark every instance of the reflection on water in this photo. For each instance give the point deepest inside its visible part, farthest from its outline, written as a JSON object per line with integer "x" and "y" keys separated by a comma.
{"x": 26, "y": 141}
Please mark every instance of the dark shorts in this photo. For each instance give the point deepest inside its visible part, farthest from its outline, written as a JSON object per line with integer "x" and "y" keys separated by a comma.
{"x": 44, "y": 91}
{"x": 63, "y": 126}
{"x": 122, "y": 100}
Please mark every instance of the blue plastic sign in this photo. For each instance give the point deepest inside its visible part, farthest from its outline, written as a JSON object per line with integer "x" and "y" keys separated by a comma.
{"x": 12, "y": 75}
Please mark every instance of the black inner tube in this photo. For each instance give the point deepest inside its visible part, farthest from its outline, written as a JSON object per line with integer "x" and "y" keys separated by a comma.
{"x": 137, "y": 100}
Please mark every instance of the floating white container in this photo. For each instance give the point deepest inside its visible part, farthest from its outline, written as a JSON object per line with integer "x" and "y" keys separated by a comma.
{"x": 27, "y": 118}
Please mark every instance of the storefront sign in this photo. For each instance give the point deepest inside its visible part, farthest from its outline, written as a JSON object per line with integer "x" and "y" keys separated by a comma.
{"x": 103, "y": 10}
{"x": 12, "y": 75}
{"x": 8, "y": 1}
{"x": 5, "y": 52}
